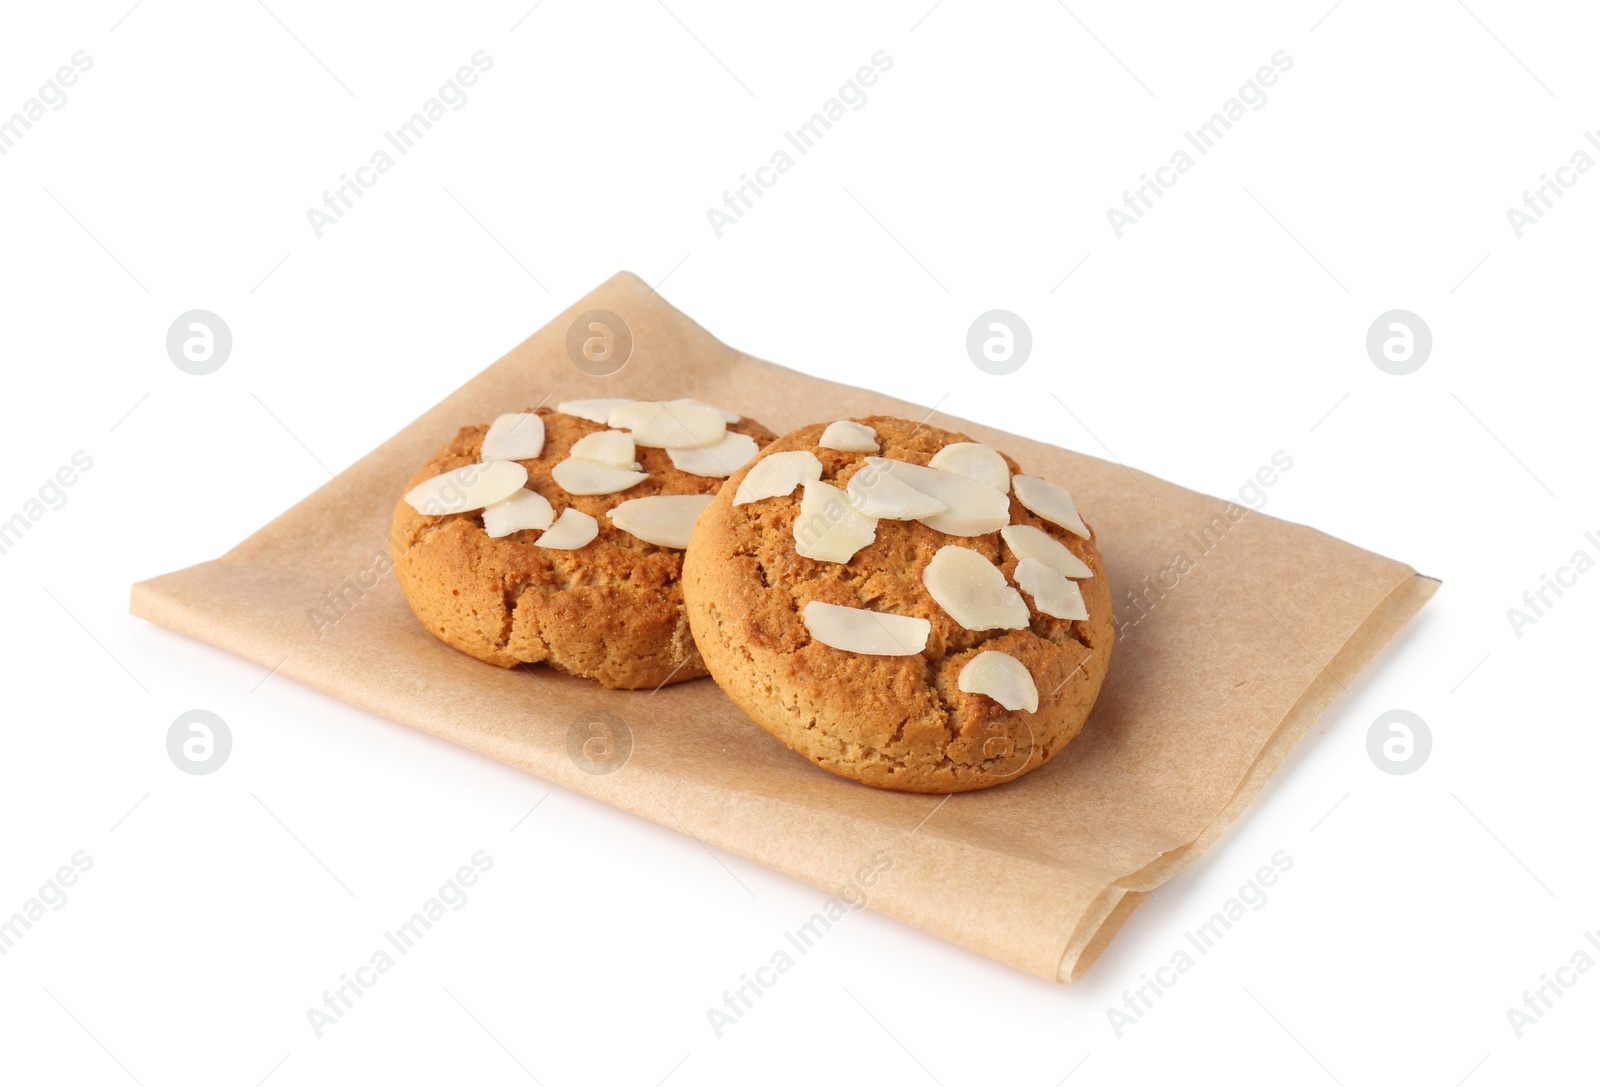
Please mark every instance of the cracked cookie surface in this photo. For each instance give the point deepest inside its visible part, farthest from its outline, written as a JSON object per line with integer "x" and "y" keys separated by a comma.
{"x": 611, "y": 610}
{"x": 894, "y": 722}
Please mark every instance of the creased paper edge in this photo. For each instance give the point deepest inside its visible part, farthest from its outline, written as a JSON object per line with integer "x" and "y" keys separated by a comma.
{"x": 1102, "y": 921}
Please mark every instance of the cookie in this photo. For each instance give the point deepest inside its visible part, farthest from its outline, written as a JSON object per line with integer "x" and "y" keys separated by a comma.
{"x": 887, "y": 648}
{"x": 606, "y": 604}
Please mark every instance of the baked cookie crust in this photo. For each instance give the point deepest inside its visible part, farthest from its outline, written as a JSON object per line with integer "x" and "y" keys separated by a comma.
{"x": 896, "y": 722}
{"x": 611, "y": 610}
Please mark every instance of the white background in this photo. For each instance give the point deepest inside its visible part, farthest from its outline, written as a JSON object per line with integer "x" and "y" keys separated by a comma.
{"x": 1225, "y": 326}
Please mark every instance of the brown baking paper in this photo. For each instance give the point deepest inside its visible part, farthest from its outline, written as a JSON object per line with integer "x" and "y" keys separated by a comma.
{"x": 1212, "y": 682}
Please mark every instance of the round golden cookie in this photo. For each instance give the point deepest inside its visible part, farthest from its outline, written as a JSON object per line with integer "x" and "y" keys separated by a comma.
{"x": 611, "y": 610}
{"x": 897, "y": 722}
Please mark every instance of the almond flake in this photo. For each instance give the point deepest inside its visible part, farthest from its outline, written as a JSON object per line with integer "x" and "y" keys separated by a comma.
{"x": 877, "y": 493}
{"x": 674, "y": 424}
{"x": 973, "y": 591}
{"x": 828, "y": 528}
{"x": 1051, "y": 502}
{"x": 470, "y": 487}
{"x": 976, "y": 462}
{"x": 596, "y": 411}
{"x": 665, "y": 520}
{"x": 1027, "y": 542}
{"x": 519, "y": 436}
{"x": 1052, "y": 593}
{"x": 523, "y": 510}
{"x": 613, "y": 447}
{"x": 849, "y": 436}
{"x": 572, "y": 530}
{"x": 729, "y": 455}
{"x": 1003, "y": 678}
{"x": 727, "y": 416}
{"x": 577, "y": 476}
{"x": 858, "y": 630}
{"x": 971, "y": 508}
{"x": 777, "y": 474}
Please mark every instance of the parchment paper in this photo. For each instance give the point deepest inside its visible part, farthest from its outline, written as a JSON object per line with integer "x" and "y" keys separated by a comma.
{"x": 1212, "y": 682}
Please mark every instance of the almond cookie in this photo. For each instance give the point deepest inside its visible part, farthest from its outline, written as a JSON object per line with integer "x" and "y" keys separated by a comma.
{"x": 902, "y": 606}
{"x": 558, "y": 536}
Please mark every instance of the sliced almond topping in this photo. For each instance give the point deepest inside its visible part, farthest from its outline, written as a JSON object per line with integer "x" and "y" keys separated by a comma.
{"x": 976, "y": 462}
{"x": 613, "y": 447}
{"x": 857, "y": 630}
{"x": 1003, "y": 678}
{"x": 1051, "y": 502}
{"x": 971, "y": 508}
{"x": 671, "y": 424}
{"x": 973, "y": 591}
{"x": 519, "y": 436}
{"x": 1052, "y": 593}
{"x": 662, "y": 519}
{"x": 470, "y": 487}
{"x": 777, "y": 474}
{"x": 877, "y": 493}
{"x": 1027, "y": 542}
{"x": 596, "y": 411}
{"x": 577, "y": 476}
{"x": 849, "y": 436}
{"x": 727, "y": 416}
{"x": 572, "y": 530}
{"x": 729, "y": 455}
{"x": 525, "y": 509}
{"x": 828, "y": 528}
